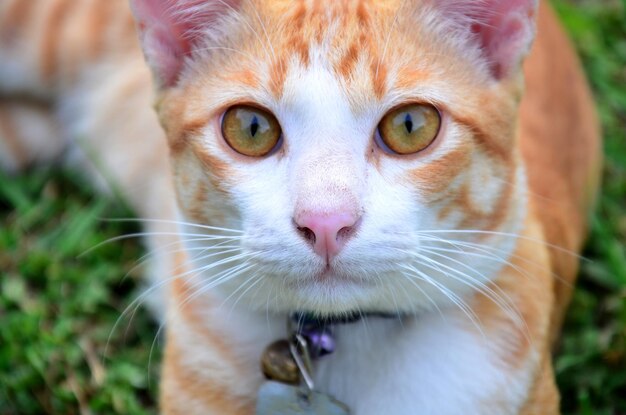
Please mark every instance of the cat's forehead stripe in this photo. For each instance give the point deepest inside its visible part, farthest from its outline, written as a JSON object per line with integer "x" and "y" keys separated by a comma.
{"x": 278, "y": 75}
{"x": 343, "y": 32}
{"x": 246, "y": 77}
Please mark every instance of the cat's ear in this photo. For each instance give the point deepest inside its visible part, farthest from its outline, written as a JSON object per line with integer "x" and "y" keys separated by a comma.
{"x": 504, "y": 29}
{"x": 170, "y": 29}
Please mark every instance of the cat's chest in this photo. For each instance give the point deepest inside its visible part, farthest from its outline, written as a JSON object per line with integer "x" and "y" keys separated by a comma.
{"x": 431, "y": 365}
{"x": 438, "y": 363}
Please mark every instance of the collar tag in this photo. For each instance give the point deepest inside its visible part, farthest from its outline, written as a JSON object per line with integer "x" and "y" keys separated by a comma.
{"x": 289, "y": 366}
{"x": 278, "y": 398}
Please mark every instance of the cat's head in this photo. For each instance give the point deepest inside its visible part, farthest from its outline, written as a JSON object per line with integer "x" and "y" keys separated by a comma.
{"x": 365, "y": 149}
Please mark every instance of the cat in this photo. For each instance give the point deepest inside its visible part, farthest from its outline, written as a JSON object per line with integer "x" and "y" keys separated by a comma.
{"x": 334, "y": 157}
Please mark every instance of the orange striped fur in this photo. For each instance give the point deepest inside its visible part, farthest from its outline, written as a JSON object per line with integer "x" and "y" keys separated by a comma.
{"x": 508, "y": 160}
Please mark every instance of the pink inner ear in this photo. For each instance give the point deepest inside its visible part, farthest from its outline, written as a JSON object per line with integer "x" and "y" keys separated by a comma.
{"x": 171, "y": 28}
{"x": 507, "y": 34}
{"x": 505, "y": 29}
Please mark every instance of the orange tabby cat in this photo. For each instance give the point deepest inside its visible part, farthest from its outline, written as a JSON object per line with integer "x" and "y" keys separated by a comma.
{"x": 331, "y": 157}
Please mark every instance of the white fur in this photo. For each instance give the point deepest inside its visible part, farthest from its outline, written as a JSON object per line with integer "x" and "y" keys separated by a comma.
{"x": 436, "y": 363}
{"x": 326, "y": 168}
{"x": 430, "y": 365}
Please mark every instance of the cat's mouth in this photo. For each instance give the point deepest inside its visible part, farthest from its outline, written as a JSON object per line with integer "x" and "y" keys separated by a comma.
{"x": 325, "y": 275}
{"x": 331, "y": 276}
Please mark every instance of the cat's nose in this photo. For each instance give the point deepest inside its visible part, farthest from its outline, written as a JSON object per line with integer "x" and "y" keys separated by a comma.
{"x": 327, "y": 232}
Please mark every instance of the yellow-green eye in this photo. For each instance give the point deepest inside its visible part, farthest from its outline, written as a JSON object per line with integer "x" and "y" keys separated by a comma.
{"x": 410, "y": 129}
{"x": 250, "y": 131}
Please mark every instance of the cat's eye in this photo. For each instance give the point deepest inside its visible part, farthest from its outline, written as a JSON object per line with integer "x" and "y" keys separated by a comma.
{"x": 410, "y": 129}
{"x": 250, "y": 131}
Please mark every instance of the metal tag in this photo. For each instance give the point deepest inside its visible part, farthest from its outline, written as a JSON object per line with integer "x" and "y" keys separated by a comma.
{"x": 280, "y": 399}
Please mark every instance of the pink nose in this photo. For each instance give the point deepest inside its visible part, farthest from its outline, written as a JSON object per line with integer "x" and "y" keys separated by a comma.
{"x": 327, "y": 233}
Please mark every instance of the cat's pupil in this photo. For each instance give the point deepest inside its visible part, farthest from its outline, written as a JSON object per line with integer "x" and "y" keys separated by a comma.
{"x": 408, "y": 123}
{"x": 254, "y": 126}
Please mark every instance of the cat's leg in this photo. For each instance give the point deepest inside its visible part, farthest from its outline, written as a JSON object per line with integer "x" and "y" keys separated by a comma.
{"x": 544, "y": 396}
{"x": 29, "y": 135}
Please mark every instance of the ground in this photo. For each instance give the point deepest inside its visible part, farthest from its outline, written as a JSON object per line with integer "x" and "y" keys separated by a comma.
{"x": 67, "y": 347}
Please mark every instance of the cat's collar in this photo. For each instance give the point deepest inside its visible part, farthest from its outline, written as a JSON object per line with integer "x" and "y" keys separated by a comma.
{"x": 309, "y": 337}
{"x": 318, "y": 331}
{"x": 288, "y": 363}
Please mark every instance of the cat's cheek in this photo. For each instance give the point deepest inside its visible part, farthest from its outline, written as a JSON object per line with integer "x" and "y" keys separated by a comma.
{"x": 264, "y": 199}
{"x": 429, "y": 172}
{"x": 205, "y": 184}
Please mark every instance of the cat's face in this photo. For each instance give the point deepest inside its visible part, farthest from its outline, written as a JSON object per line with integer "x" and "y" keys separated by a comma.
{"x": 361, "y": 148}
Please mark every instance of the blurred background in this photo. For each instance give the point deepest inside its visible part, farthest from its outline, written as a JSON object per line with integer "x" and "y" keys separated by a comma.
{"x": 71, "y": 341}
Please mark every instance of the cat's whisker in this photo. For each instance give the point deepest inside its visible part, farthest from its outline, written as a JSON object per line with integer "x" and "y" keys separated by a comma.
{"x": 162, "y": 325}
{"x": 487, "y": 255}
{"x": 258, "y": 278}
{"x": 420, "y": 289}
{"x": 213, "y": 282}
{"x": 176, "y": 276}
{"x": 195, "y": 249}
{"x": 138, "y": 301}
{"x": 174, "y": 222}
{"x": 160, "y": 251}
{"x": 455, "y": 299}
{"x": 203, "y": 255}
{"x": 156, "y": 337}
{"x": 378, "y": 280}
{"x": 363, "y": 317}
{"x": 217, "y": 254}
{"x": 392, "y": 294}
{"x": 202, "y": 270}
{"x": 134, "y": 305}
{"x": 200, "y": 237}
{"x": 154, "y": 287}
{"x": 212, "y": 265}
{"x": 497, "y": 296}
{"x": 487, "y": 248}
{"x": 459, "y": 245}
{"x": 259, "y": 290}
{"x": 267, "y": 307}
{"x": 236, "y": 290}
{"x": 200, "y": 281}
{"x": 504, "y": 234}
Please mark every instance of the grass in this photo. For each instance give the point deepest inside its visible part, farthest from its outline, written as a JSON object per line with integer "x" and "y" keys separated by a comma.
{"x": 58, "y": 308}
{"x": 591, "y": 365}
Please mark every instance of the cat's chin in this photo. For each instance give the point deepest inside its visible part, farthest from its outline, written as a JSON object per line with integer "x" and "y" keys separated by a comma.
{"x": 331, "y": 277}
{"x": 330, "y": 293}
